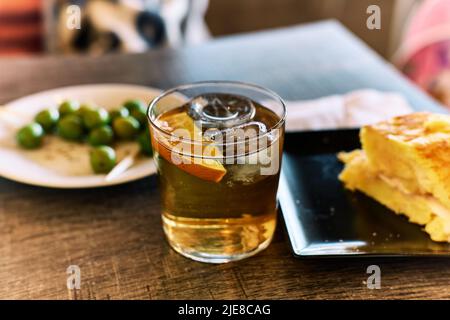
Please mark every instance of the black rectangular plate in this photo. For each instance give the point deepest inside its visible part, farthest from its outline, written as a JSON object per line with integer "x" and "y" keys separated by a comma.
{"x": 324, "y": 219}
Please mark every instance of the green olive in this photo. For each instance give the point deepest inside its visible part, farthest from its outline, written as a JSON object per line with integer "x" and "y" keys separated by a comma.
{"x": 103, "y": 159}
{"x": 101, "y": 136}
{"x": 134, "y": 104}
{"x": 95, "y": 118}
{"x": 68, "y": 107}
{"x": 30, "y": 136}
{"x": 140, "y": 116}
{"x": 121, "y": 112}
{"x": 85, "y": 108}
{"x": 126, "y": 128}
{"x": 47, "y": 119}
{"x": 138, "y": 110}
{"x": 145, "y": 143}
{"x": 70, "y": 127}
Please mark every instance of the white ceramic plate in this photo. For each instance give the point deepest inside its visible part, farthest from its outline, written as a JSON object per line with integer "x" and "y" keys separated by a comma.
{"x": 61, "y": 164}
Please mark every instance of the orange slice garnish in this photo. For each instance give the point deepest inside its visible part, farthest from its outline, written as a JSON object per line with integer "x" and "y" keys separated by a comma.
{"x": 203, "y": 168}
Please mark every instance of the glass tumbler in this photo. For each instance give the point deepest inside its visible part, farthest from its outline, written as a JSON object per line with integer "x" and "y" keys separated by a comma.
{"x": 217, "y": 148}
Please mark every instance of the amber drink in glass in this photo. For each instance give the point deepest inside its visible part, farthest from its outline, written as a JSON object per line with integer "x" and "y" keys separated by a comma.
{"x": 217, "y": 147}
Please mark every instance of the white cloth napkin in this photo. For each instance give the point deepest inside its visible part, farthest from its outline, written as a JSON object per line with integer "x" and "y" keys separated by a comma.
{"x": 345, "y": 111}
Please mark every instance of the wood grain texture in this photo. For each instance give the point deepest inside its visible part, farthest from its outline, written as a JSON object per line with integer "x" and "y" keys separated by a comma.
{"x": 114, "y": 234}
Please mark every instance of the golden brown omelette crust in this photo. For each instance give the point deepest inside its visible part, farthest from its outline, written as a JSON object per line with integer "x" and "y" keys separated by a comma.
{"x": 412, "y": 149}
{"x": 428, "y": 135}
{"x": 413, "y": 128}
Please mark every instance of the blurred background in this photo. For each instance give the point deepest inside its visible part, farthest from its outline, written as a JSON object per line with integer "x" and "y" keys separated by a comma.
{"x": 414, "y": 34}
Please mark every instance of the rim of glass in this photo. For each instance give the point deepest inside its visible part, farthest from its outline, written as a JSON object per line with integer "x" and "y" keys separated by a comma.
{"x": 274, "y": 95}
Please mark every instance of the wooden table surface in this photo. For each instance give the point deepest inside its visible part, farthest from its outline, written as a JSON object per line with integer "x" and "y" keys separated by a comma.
{"x": 114, "y": 234}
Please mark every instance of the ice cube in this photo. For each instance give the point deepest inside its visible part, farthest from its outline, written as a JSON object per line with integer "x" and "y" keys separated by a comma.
{"x": 216, "y": 110}
{"x": 244, "y": 174}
